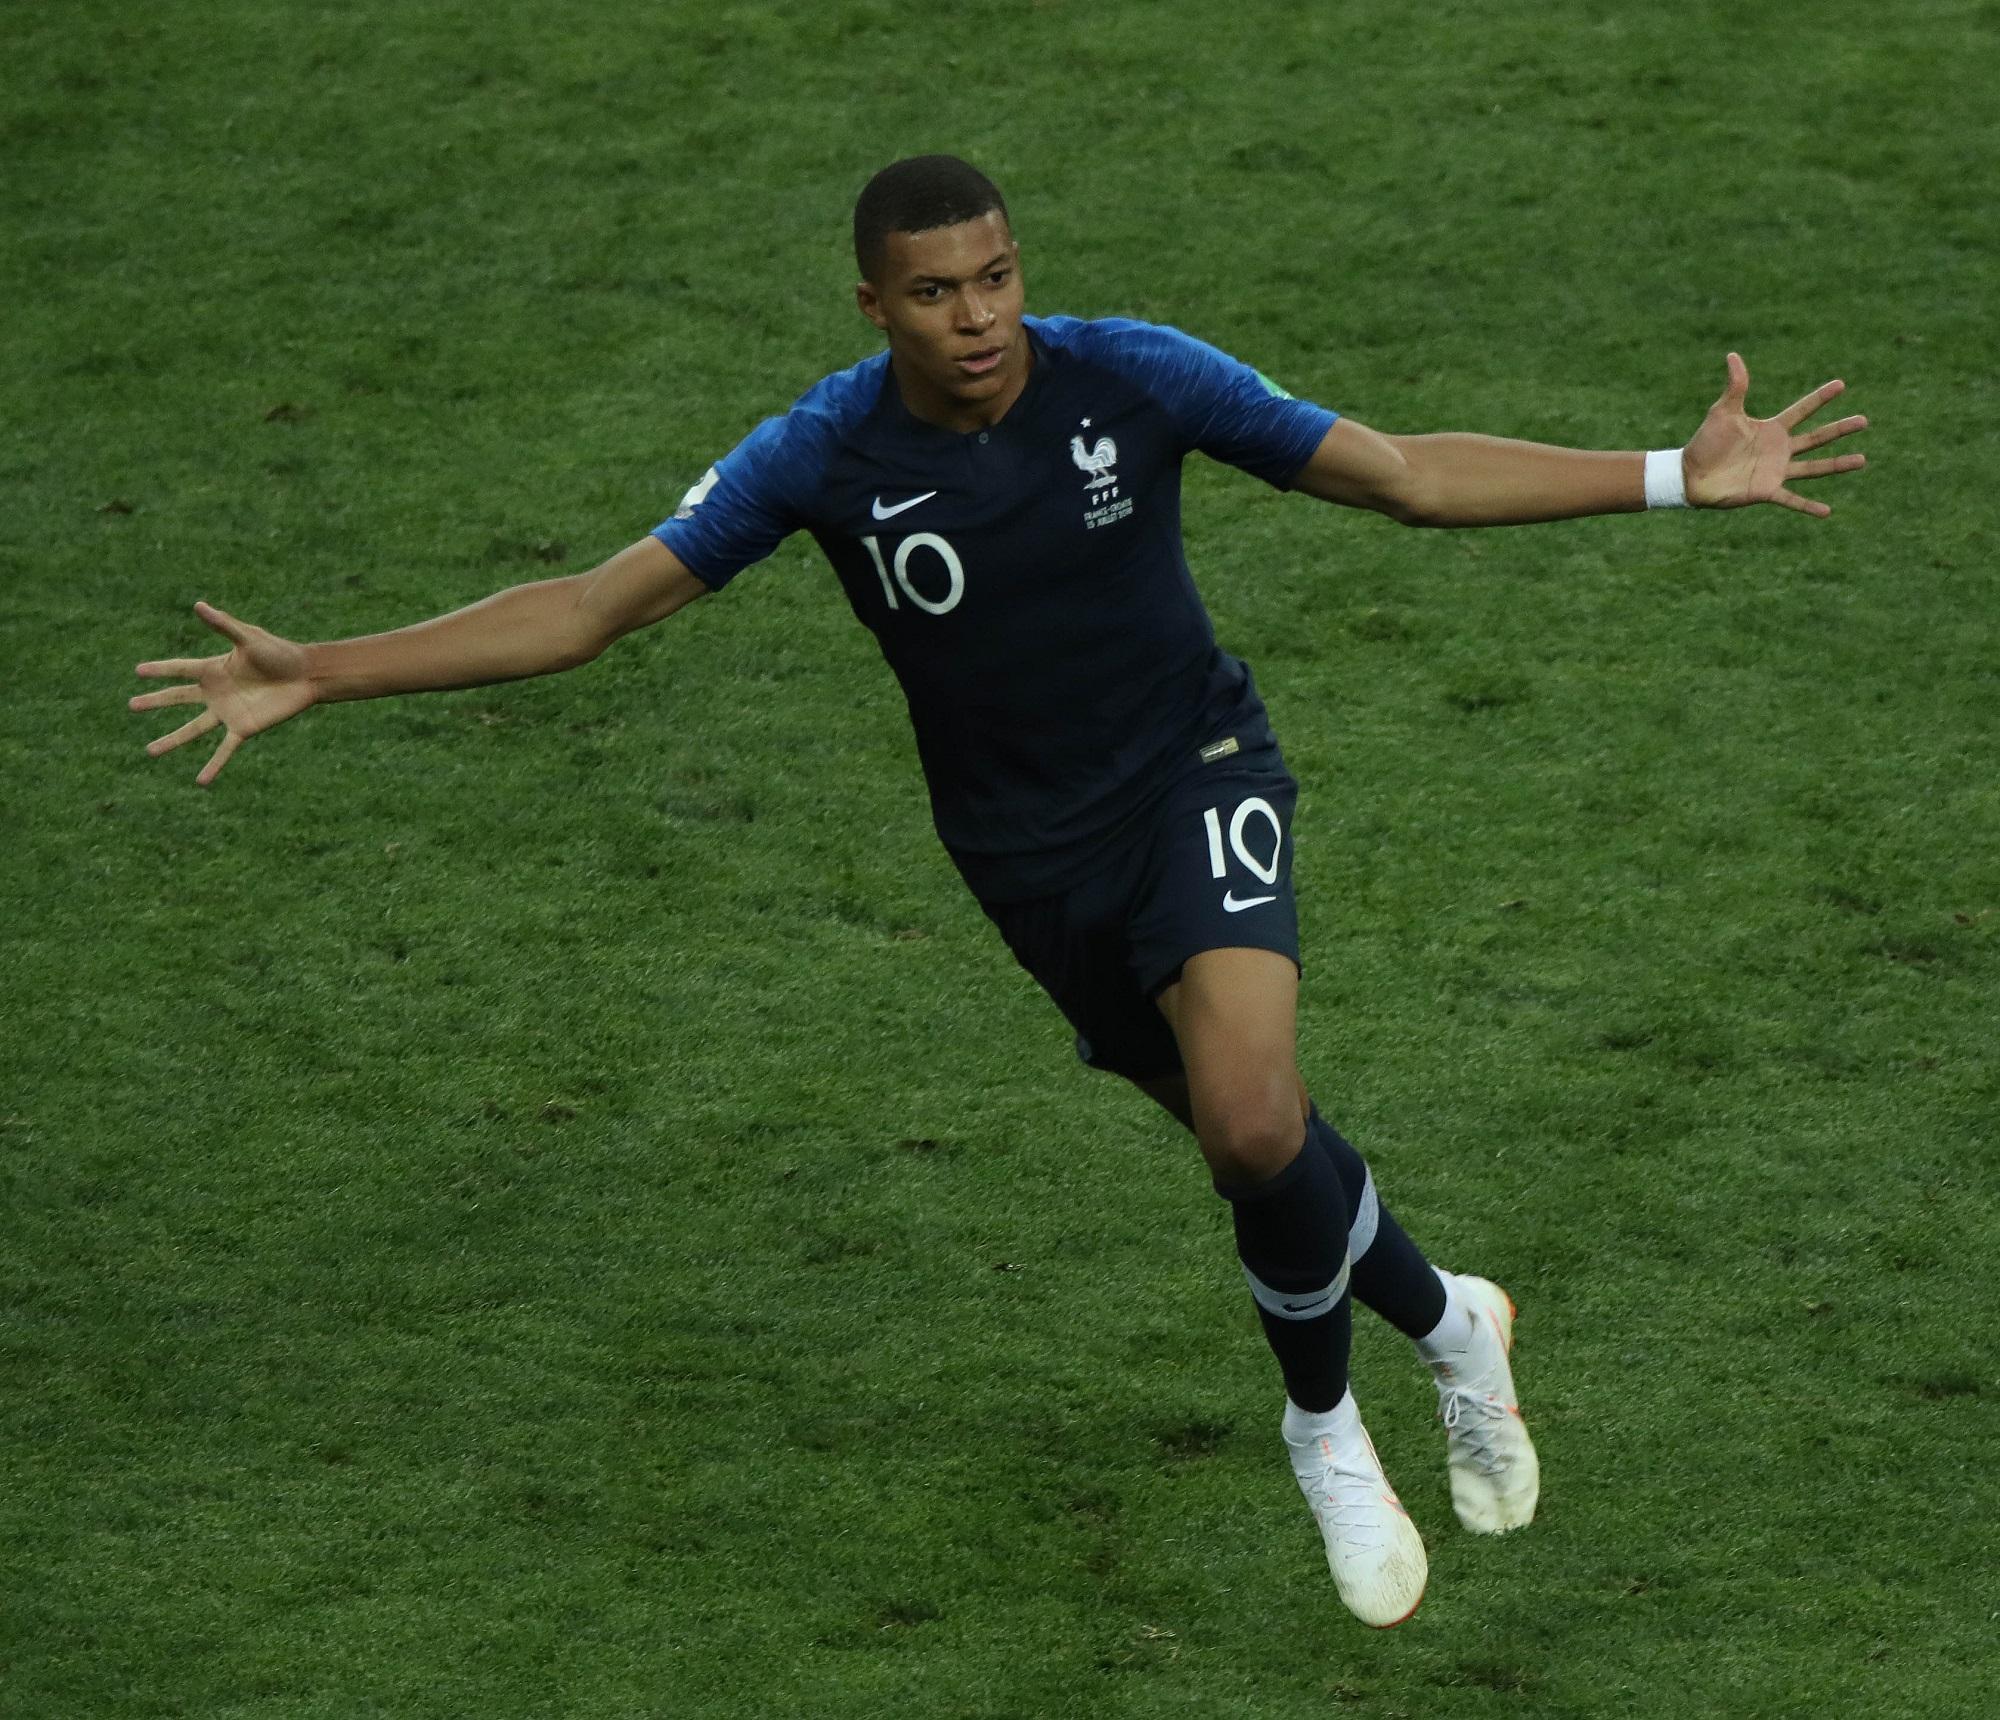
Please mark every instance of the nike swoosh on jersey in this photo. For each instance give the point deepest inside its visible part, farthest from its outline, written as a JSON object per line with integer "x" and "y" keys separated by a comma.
{"x": 1230, "y": 905}
{"x": 882, "y": 513}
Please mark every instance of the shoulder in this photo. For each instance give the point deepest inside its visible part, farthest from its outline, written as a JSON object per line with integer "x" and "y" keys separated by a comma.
{"x": 1171, "y": 365}
{"x": 836, "y": 403}
{"x": 1120, "y": 343}
{"x": 797, "y": 444}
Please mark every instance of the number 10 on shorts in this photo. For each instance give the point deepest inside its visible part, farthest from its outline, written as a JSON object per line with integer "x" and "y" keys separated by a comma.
{"x": 1255, "y": 807}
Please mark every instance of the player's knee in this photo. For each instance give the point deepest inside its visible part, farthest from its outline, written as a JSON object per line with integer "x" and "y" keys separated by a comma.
{"x": 1248, "y": 1138}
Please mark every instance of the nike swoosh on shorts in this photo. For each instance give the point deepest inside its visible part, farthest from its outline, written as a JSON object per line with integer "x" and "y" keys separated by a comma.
{"x": 882, "y": 513}
{"x": 1230, "y": 905}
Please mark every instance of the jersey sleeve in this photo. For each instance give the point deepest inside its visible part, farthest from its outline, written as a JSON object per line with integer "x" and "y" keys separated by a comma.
{"x": 1221, "y": 405}
{"x": 739, "y": 512}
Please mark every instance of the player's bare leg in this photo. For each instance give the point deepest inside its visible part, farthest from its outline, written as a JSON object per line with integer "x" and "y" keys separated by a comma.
{"x": 1234, "y": 1014}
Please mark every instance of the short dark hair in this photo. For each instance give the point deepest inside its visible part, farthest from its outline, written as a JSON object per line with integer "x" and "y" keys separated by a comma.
{"x": 915, "y": 195}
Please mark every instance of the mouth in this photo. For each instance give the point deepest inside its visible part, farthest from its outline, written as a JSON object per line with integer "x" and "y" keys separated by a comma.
{"x": 985, "y": 359}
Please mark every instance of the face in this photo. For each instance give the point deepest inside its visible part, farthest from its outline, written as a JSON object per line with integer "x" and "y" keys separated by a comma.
{"x": 950, "y": 302}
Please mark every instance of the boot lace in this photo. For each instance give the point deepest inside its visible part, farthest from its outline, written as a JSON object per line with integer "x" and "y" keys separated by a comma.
{"x": 1349, "y": 1497}
{"x": 1475, "y": 1421}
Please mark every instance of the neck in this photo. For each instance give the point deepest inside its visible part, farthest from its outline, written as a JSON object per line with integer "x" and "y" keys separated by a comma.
{"x": 949, "y": 411}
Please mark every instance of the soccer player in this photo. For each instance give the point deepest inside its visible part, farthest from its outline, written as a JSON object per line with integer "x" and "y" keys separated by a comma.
{"x": 999, "y": 496}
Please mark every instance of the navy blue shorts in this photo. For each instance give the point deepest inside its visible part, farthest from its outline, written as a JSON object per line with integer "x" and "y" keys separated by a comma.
{"x": 1209, "y": 868}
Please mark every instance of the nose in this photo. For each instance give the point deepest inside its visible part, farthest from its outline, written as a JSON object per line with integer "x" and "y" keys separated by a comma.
{"x": 974, "y": 313}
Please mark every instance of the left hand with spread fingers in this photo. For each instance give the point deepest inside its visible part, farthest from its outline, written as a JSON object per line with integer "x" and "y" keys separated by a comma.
{"x": 1735, "y": 460}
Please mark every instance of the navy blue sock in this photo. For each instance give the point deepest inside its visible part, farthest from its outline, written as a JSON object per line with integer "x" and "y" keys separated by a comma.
{"x": 1390, "y": 1273}
{"x": 1291, "y": 1233}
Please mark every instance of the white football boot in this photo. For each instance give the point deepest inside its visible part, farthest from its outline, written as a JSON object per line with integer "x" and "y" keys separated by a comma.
{"x": 1372, "y": 1547}
{"x": 1495, "y": 1475}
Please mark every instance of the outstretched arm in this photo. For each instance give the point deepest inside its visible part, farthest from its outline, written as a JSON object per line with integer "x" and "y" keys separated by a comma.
{"x": 1465, "y": 480}
{"x": 526, "y": 630}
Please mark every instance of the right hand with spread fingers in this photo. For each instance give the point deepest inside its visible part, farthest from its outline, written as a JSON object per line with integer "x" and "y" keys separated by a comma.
{"x": 259, "y": 683}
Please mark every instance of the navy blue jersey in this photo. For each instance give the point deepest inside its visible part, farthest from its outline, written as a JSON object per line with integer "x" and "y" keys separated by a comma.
{"x": 1026, "y": 582}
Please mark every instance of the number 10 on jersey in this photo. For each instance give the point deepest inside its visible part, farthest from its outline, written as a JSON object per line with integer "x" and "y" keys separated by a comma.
{"x": 905, "y": 551}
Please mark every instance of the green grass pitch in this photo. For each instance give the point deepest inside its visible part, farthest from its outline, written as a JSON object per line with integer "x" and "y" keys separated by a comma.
{"x": 549, "y": 1201}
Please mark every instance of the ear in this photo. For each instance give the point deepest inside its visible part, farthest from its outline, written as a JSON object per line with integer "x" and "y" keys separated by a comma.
{"x": 869, "y": 302}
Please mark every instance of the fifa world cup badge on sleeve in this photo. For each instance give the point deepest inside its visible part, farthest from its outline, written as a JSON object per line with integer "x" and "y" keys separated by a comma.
{"x": 693, "y": 498}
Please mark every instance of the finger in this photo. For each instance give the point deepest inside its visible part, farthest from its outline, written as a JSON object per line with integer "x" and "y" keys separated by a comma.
{"x": 227, "y": 625}
{"x": 171, "y": 666}
{"x": 1825, "y": 468}
{"x": 1819, "y": 438}
{"x": 1807, "y": 404}
{"x": 188, "y": 695}
{"x": 188, "y": 731}
{"x": 1818, "y": 510}
{"x": 1739, "y": 380}
{"x": 219, "y": 758}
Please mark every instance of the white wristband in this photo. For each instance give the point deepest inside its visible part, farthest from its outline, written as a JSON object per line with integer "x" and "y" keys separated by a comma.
{"x": 1666, "y": 483}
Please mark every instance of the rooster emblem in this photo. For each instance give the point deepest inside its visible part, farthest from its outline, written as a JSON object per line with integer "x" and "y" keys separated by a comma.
{"x": 1095, "y": 463}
